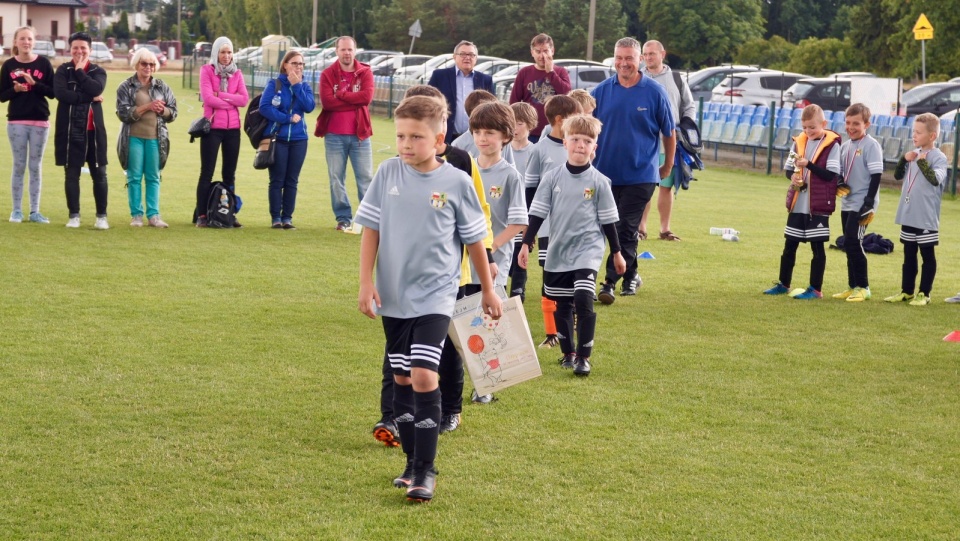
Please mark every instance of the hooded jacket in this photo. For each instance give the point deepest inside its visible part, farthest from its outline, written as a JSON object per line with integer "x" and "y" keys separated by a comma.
{"x": 294, "y": 100}
{"x": 75, "y": 90}
{"x": 358, "y": 98}
{"x": 126, "y": 111}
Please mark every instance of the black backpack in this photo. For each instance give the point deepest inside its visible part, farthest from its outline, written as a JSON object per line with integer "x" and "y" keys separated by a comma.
{"x": 221, "y": 206}
{"x": 254, "y": 124}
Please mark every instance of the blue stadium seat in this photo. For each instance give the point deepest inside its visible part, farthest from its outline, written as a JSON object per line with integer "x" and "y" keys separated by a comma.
{"x": 763, "y": 110}
{"x": 784, "y": 113}
{"x": 796, "y": 113}
{"x": 891, "y": 150}
{"x": 838, "y": 126}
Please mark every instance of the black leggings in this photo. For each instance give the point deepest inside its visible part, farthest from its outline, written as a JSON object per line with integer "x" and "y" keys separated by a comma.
{"x": 817, "y": 265}
{"x": 209, "y": 148}
{"x": 927, "y": 274}
{"x": 853, "y": 246}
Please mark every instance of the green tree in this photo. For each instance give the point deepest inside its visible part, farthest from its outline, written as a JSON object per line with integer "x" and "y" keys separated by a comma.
{"x": 121, "y": 29}
{"x": 942, "y": 57}
{"x": 567, "y": 22}
{"x": 771, "y": 53}
{"x": 814, "y": 56}
{"x": 517, "y": 23}
{"x": 872, "y": 35}
{"x": 706, "y": 32}
{"x": 444, "y": 23}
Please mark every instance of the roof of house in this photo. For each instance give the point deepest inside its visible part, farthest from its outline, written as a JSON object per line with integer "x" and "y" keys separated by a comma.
{"x": 55, "y": 3}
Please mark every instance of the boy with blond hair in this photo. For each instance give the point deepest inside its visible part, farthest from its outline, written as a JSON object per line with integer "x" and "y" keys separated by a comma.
{"x": 579, "y": 202}
{"x": 415, "y": 206}
{"x": 924, "y": 173}
{"x": 813, "y": 168}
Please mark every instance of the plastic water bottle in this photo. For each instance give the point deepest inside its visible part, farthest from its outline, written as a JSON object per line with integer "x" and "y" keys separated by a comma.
{"x": 723, "y": 231}
{"x": 730, "y": 237}
{"x": 224, "y": 200}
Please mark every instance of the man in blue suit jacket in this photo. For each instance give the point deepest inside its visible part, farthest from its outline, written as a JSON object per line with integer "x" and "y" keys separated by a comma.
{"x": 456, "y": 83}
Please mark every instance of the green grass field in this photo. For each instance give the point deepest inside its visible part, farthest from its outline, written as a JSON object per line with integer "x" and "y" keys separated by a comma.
{"x": 203, "y": 384}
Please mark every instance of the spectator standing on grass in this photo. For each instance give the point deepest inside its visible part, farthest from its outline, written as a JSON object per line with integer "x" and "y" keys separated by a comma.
{"x": 681, "y": 106}
{"x": 346, "y": 91}
{"x": 145, "y": 105}
{"x": 224, "y": 93}
{"x": 285, "y": 109}
{"x": 537, "y": 83}
{"x": 456, "y": 83}
{"x": 636, "y": 115}
{"x": 80, "y": 137}
{"x": 26, "y": 81}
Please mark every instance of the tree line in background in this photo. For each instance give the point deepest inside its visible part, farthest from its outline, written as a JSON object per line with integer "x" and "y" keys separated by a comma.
{"x": 808, "y": 36}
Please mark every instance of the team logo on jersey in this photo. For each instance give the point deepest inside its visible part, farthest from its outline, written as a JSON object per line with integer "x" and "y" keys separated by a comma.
{"x": 438, "y": 200}
{"x": 859, "y": 152}
{"x": 496, "y": 192}
{"x": 588, "y": 193}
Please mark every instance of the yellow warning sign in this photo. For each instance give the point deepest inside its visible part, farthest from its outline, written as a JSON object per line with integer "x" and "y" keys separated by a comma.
{"x": 923, "y": 30}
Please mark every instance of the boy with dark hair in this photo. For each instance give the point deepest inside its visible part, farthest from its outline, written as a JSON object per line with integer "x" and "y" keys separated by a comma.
{"x": 579, "y": 202}
{"x": 919, "y": 211}
{"x": 813, "y": 168}
{"x": 548, "y": 154}
{"x": 415, "y": 207}
{"x": 862, "y": 160}
{"x": 465, "y": 141}
{"x": 521, "y": 147}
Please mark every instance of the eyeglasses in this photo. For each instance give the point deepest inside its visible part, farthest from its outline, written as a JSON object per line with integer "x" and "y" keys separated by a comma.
{"x": 466, "y": 55}
{"x": 147, "y": 65}
{"x": 297, "y": 64}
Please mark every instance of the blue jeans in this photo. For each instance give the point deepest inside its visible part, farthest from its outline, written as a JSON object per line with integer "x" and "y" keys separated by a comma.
{"x": 143, "y": 161}
{"x": 338, "y": 148}
{"x": 284, "y": 177}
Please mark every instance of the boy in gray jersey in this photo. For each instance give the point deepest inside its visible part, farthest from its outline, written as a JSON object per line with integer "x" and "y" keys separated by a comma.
{"x": 465, "y": 141}
{"x": 416, "y": 214}
{"x": 924, "y": 173}
{"x": 579, "y": 202}
{"x": 548, "y": 154}
{"x": 861, "y": 159}
{"x": 526, "y": 118}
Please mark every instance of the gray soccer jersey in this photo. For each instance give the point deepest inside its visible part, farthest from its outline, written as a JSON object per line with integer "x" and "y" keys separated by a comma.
{"x": 578, "y": 206}
{"x": 422, "y": 218}
{"x": 546, "y": 156}
{"x": 833, "y": 164}
{"x": 504, "y": 191}
{"x": 859, "y": 160}
{"x": 465, "y": 142}
{"x": 521, "y": 158}
{"x": 920, "y": 200}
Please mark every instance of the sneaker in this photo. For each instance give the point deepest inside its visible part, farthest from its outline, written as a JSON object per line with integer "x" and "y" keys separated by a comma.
{"x": 405, "y": 478}
{"x": 276, "y": 225}
{"x": 550, "y": 341}
{"x": 156, "y": 221}
{"x": 201, "y": 221}
{"x": 137, "y": 221}
{"x": 795, "y": 292}
{"x": 859, "y": 294}
{"x": 899, "y": 297}
{"x": 343, "y": 226}
{"x": 567, "y": 361}
{"x": 288, "y": 225}
{"x": 423, "y": 484}
{"x": 101, "y": 223}
{"x": 808, "y": 294}
{"x": 386, "y": 432}
{"x": 606, "y": 294}
{"x": 73, "y": 222}
{"x": 777, "y": 289}
{"x": 38, "y": 218}
{"x": 16, "y": 217}
{"x": 843, "y": 295}
{"x": 920, "y": 300}
{"x": 954, "y": 299}
{"x": 449, "y": 423}
{"x": 629, "y": 290}
{"x": 482, "y": 398}
{"x": 236, "y": 223}
{"x": 581, "y": 366}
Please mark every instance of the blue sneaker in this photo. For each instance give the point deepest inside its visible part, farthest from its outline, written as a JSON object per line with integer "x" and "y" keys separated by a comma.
{"x": 809, "y": 294}
{"x": 36, "y": 217}
{"x": 778, "y": 289}
{"x": 16, "y": 216}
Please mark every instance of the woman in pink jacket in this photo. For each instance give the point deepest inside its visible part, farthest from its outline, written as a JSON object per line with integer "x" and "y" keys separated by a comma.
{"x": 224, "y": 93}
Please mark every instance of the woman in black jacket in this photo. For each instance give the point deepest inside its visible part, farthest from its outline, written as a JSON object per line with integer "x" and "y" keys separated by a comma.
{"x": 80, "y": 136}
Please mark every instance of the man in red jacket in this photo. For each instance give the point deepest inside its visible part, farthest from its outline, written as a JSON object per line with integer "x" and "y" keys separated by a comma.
{"x": 346, "y": 91}
{"x": 539, "y": 82}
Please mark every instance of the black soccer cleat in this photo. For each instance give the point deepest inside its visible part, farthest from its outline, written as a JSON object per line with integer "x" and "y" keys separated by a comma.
{"x": 386, "y": 432}
{"x": 581, "y": 367}
{"x": 406, "y": 478}
{"x": 568, "y": 361}
{"x": 606, "y": 295}
{"x": 423, "y": 484}
{"x": 449, "y": 423}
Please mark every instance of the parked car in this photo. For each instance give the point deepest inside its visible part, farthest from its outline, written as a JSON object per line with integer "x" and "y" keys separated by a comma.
{"x": 756, "y": 88}
{"x": 161, "y": 57}
{"x": 850, "y": 74}
{"x": 936, "y": 98}
{"x": 449, "y": 63}
{"x": 388, "y": 67}
{"x": 418, "y": 71}
{"x": 702, "y": 82}
{"x": 567, "y": 62}
{"x": 45, "y": 48}
{"x": 585, "y": 77}
{"x": 831, "y": 94}
{"x": 99, "y": 52}
{"x": 366, "y": 55}
{"x": 493, "y": 67}
{"x": 244, "y": 54}
{"x": 202, "y": 50}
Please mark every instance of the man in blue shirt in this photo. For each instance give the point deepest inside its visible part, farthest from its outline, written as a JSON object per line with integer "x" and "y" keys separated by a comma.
{"x": 635, "y": 112}
{"x": 456, "y": 83}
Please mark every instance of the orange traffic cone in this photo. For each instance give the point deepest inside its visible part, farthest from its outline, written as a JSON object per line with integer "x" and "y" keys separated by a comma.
{"x": 952, "y": 337}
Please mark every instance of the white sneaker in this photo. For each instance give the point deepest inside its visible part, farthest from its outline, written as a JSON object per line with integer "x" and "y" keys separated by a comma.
{"x": 101, "y": 223}
{"x": 74, "y": 222}
{"x": 137, "y": 221}
{"x": 954, "y": 299}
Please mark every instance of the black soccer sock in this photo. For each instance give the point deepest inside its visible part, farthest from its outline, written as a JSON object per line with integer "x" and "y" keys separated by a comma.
{"x": 518, "y": 276}
{"x": 426, "y": 423}
{"x": 908, "y": 281}
{"x": 818, "y": 265}
{"x": 450, "y": 372}
{"x": 929, "y": 270}
{"x": 403, "y": 411}
{"x": 787, "y": 260}
{"x": 563, "y": 318}
{"x": 586, "y": 322}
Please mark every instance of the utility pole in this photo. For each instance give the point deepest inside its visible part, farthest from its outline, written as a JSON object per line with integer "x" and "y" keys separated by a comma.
{"x": 591, "y": 24}
{"x": 313, "y": 32}
{"x": 178, "y": 26}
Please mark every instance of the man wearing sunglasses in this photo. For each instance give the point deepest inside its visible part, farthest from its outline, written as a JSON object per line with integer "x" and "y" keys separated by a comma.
{"x": 456, "y": 83}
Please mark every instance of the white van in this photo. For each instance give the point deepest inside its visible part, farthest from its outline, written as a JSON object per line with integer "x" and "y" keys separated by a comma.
{"x": 755, "y": 88}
